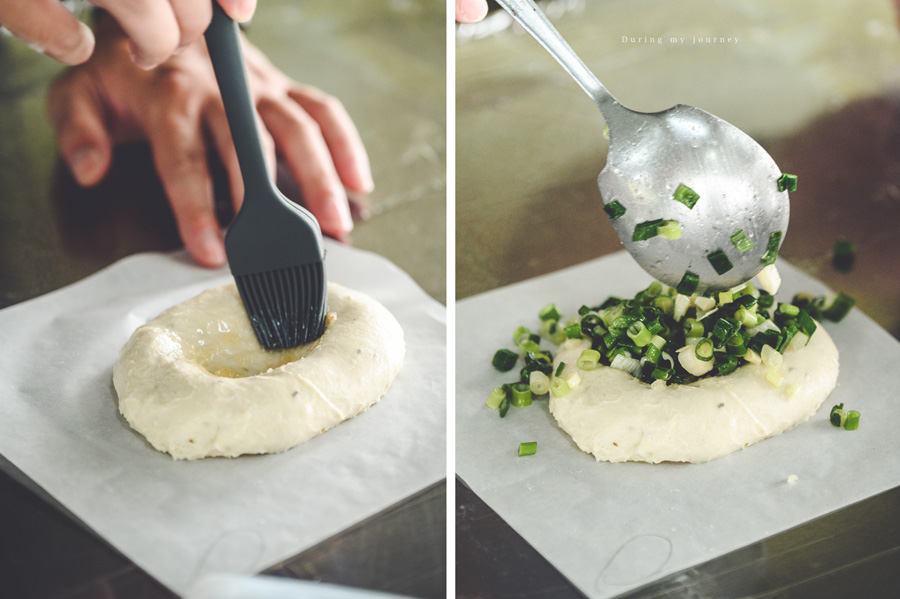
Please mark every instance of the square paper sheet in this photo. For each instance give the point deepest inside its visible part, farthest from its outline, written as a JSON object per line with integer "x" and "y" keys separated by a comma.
{"x": 60, "y": 425}
{"x": 610, "y": 528}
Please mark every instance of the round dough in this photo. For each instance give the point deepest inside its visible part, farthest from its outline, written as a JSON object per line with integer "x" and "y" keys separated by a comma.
{"x": 617, "y": 418}
{"x": 196, "y": 382}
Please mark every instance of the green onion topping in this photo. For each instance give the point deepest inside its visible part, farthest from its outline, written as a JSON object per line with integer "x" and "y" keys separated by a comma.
{"x": 772, "y": 248}
{"x": 720, "y": 261}
{"x": 704, "y": 349}
{"x": 840, "y": 307}
{"x": 686, "y": 195}
{"x": 646, "y": 229}
{"x": 504, "y": 360}
{"x": 787, "y": 182}
{"x": 689, "y": 283}
{"x": 852, "y": 420}
{"x": 529, "y": 448}
{"x": 614, "y": 209}
{"x": 521, "y": 395}
{"x": 670, "y": 229}
{"x": 844, "y": 254}
{"x": 741, "y": 242}
{"x": 549, "y": 312}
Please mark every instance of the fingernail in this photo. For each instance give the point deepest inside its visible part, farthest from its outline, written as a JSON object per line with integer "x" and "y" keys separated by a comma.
{"x": 138, "y": 57}
{"x": 336, "y": 217}
{"x": 244, "y": 10}
{"x": 86, "y": 164}
{"x": 360, "y": 208}
{"x": 211, "y": 247}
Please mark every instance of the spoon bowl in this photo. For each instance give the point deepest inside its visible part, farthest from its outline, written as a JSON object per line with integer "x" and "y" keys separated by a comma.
{"x": 651, "y": 155}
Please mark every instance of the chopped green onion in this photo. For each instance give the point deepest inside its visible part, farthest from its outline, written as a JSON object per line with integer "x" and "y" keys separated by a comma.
{"x": 726, "y": 365}
{"x": 686, "y": 195}
{"x": 530, "y": 346}
{"x": 560, "y": 368}
{"x": 539, "y": 383}
{"x": 705, "y": 303}
{"x": 504, "y": 360}
{"x": 745, "y": 317}
{"x": 559, "y": 387}
{"x": 670, "y": 229}
{"x": 838, "y": 415}
{"x": 844, "y": 254}
{"x": 806, "y": 323}
{"x": 720, "y": 261}
{"x": 588, "y": 360}
{"x": 741, "y": 242}
{"x": 521, "y": 395}
{"x": 766, "y": 300}
{"x": 770, "y": 356}
{"x": 664, "y": 303}
{"x": 495, "y": 398}
{"x": 688, "y": 284}
{"x": 573, "y": 331}
{"x": 787, "y": 182}
{"x": 839, "y": 308}
{"x": 521, "y": 335}
{"x": 614, "y": 209}
{"x": 504, "y": 407}
{"x": 652, "y": 353}
{"x": 724, "y": 328}
{"x": 852, "y": 420}
{"x": 774, "y": 377}
{"x": 661, "y": 373}
{"x": 549, "y": 312}
{"x": 529, "y": 448}
{"x": 693, "y": 328}
{"x": 725, "y": 297}
{"x": 769, "y": 279}
{"x": 792, "y": 390}
{"x": 788, "y": 309}
{"x": 639, "y": 333}
{"x": 703, "y": 349}
{"x": 646, "y": 230}
{"x": 772, "y": 248}
{"x": 736, "y": 345}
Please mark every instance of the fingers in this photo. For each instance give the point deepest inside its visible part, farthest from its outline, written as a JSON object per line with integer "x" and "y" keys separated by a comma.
{"x": 217, "y": 127}
{"x": 81, "y": 132}
{"x": 471, "y": 11}
{"x": 341, "y": 136}
{"x": 180, "y": 157}
{"x": 48, "y": 27}
{"x": 301, "y": 141}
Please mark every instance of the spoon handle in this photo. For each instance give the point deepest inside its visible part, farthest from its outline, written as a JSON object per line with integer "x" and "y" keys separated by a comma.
{"x": 529, "y": 16}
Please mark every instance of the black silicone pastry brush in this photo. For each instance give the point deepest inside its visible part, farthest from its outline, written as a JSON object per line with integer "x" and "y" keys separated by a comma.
{"x": 274, "y": 246}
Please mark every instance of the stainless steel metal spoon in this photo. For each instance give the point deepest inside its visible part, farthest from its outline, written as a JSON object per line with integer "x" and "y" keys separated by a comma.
{"x": 651, "y": 154}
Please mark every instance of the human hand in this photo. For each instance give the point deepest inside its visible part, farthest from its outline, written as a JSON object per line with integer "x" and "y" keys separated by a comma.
{"x": 157, "y": 28}
{"x": 471, "y": 11}
{"x": 177, "y": 108}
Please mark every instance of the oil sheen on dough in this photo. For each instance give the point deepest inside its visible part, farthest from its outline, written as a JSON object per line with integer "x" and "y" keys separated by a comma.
{"x": 617, "y": 418}
{"x": 196, "y": 383}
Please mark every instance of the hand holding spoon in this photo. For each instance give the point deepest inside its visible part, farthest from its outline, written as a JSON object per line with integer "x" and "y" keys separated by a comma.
{"x": 680, "y": 165}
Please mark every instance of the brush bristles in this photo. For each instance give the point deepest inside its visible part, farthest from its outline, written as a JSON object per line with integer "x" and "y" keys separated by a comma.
{"x": 286, "y": 306}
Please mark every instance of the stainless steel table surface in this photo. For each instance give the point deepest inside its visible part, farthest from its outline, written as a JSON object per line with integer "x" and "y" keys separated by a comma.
{"x": 817, "y": 85}
{"x": 386, "y": 62}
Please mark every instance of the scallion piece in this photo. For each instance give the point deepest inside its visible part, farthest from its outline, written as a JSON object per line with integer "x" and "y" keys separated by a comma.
{"x": 703, "y": 349}
{"x": 719, "y": 261}
{"x": 787, "y": 182}
{"x": 539, "y": 383}
{"x": 504, "y": 407}
{"x": 652, "y": 353}
{"x": 639, "y": 333}
{"x": 614, "y": 209}
{"x": 661, "y": 373}
{"x": 670, "y": 229}
{"x": 559, "y": 387}
{"x": 725, "y": 297}
{"x": 521, "y": 395}
{"x": 844, "y": 254}
{"x": 852, "y": 422}
{"x": 839, "y": 308}
{"x": 686, "y": 195}
{"x": 529, "y": 448}
{"x": 788, "y": 309}
{"x": 549, "y": 312}
{"x": 772, "y": 248}
{"x": 664, "y": 303}
{"x": 504, "y": 360}
{"x": 530, "y": 346}
{"x": 495, "y": 398}
{"x": 741, "y": 242}
{"x": 588, "y": 360}
{"x": 736, "y": 345}
{"x": 726, "y": 365}
{"x": 693, "y": 327}
{"x": 521, "y": 335}
{"x": 689, "y": 283}
{"x": 573, "y": 331}
{"x": 560, "y": 369}
{"x": 646, "y": 230}
{"x": 838, "y": 415}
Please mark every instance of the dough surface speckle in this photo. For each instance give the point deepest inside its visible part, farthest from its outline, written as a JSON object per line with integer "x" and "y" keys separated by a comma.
{"x": 617, "y": 418}
{"x": 196, "y": 383}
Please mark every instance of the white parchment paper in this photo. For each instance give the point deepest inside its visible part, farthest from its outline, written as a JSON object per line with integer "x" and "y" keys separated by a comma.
{"x": 610, "y": 528}
{"x": 60, "y": 425}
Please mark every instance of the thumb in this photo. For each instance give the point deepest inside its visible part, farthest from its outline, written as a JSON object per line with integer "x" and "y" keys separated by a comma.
{"x": 81, "y": 133}
{"x": 239, "y": 10}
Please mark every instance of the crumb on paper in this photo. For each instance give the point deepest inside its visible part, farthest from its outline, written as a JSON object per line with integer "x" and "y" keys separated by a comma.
{"x": 792, "y": 479}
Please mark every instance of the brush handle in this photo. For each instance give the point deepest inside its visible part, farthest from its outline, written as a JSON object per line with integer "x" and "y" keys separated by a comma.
{"x": 224, "y": 43}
